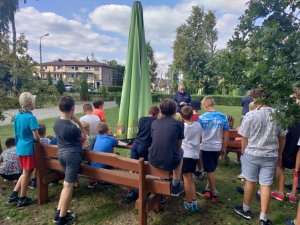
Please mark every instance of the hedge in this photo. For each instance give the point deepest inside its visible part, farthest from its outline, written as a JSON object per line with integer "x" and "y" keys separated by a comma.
{"x": 219, "y": 99}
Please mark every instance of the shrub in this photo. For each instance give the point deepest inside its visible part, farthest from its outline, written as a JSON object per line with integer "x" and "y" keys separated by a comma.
{"x": 114, "y": 88}
{"x": 219, "y": 99}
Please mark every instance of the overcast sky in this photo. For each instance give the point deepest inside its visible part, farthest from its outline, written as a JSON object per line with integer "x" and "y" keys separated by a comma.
{"x": 79, "y": 28}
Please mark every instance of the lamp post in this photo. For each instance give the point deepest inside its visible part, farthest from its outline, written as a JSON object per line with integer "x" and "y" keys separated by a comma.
{"x": 41, "y": 69}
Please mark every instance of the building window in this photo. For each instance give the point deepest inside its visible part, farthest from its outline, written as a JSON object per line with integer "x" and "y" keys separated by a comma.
{"x": 87, "y": 67}
{"x": 72, "y": 75}
{"x": 72, "y": 67}
{"x": 58, "y": 67}
{"x": 76, "y": 67}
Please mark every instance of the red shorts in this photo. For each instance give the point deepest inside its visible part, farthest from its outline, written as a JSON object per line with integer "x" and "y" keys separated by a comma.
{"x": 27, "y": 162}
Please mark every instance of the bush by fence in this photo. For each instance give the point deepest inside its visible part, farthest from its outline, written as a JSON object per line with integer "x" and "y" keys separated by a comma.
{"x": 219, "y": 99}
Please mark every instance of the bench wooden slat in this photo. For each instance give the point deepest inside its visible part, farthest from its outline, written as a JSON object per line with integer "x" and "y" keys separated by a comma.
{"x": 111, "y": 176}
{"x": 233, "y": 134}
{"x": 53, "y": 177}
{"x": 164, "y": 174}
{"x": 49, "y": 150}
{"x": 111, "y": 159}
{"x": 158, "y": 186}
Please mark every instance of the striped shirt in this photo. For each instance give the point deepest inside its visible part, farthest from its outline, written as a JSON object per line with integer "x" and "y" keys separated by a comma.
{"x": 262, "y": 132}
{"x": 213, "y": 124}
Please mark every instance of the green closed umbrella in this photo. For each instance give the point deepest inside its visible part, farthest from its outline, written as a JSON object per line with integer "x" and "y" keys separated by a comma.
{"x": 136, "y": 94}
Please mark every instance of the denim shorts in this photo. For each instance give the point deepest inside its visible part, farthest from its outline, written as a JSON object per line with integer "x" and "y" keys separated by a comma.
{"x": 256, "y": 168}
{"x": 71, "y": 163}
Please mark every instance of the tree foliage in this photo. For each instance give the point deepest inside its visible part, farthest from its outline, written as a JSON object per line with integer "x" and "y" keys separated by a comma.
{"x": 152, "y": 62}
{"x": 266, "y": 48}
{"x": 194, "y": 48}
{"x": 8, "y": 9}
{"x": 61, "y": 86}
{"x": 84, "y": 89}
{"x": 173, "y": 76}
{"x": 49, "y": 79}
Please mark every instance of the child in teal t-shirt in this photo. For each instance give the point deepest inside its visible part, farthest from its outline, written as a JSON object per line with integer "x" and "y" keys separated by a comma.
{"x": 26, "y": 132}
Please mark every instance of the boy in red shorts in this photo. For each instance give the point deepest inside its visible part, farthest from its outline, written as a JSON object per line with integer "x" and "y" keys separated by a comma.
{"x": 26, "y": 132}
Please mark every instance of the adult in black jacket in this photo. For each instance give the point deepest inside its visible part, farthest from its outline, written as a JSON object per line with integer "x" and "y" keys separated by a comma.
{"x": 182, "y": 98}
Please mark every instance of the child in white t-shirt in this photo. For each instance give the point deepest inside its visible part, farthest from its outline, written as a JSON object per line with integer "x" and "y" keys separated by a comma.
{"x": 191, "y": 154}
{"x": 91, "y": 119}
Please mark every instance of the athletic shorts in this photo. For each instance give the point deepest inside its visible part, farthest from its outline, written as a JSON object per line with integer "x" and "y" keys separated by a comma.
{"x": 71, "y": 163}
{"x": 11, "y": 177}
{"x": 210, "y": 160}
{"x": 289, "y": 159}
{"x": 255, "y": 168}
{"x": 189, "y": 165}
{"x": 139, "y": 150}
{"x": 27, "y": 162}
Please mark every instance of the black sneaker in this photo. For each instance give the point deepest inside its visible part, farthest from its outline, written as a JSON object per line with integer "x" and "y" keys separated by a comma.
{"x": 177, "y": 190}
{"x": 239, "y": 210}
{"x": 67, "y": 219}
{"x": 163, "y": 199}
{"x": 131, "y": 196}
{"x": 12, "y": 199}
{"x": 32, "y": 184}
{"x": 56, "y": 215}
{"x": 25, "y": 202}
{"x": 267, "y": 222}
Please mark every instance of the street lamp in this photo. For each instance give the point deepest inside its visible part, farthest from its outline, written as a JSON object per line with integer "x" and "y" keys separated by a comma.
{"x": 41, "y": 53}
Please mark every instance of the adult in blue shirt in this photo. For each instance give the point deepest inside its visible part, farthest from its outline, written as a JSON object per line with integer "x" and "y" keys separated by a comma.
{"x": 182, "y": 97}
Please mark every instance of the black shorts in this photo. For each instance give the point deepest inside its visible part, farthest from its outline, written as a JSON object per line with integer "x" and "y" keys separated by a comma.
{"x": 289, "y": 159}
{"x": 11, "y": 177}
{"x": 71, "y": 163}
{"x": 139, "y": 150}
{"x": 210, "y": 160}
{"x": 189, "y": 165}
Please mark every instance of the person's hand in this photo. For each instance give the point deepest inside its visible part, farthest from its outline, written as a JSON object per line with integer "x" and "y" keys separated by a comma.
{"x": 223, "y": 151}
{"x": 279, "y": 161}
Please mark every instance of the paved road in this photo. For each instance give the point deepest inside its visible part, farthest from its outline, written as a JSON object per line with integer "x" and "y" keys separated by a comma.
{"x": 46, "y": 113}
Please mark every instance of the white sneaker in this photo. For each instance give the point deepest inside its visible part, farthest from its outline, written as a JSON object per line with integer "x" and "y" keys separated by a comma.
{"x": 240, "y": 176}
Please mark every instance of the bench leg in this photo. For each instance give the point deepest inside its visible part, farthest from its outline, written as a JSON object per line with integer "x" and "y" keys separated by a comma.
{"x": 42, "y": 191}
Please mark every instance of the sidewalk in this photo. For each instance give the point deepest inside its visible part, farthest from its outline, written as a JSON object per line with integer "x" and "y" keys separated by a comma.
{"x": 45, "y": 113}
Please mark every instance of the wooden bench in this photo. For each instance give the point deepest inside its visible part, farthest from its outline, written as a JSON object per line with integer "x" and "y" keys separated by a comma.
{"x": 234, "y": 145}
{"x": 146, "y": 178}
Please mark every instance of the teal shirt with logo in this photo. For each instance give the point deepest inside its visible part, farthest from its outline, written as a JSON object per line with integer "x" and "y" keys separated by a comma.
{"x": 25, "y": 123}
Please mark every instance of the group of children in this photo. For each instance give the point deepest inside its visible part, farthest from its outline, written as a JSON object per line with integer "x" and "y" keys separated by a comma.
{"x": 170, "y": 139}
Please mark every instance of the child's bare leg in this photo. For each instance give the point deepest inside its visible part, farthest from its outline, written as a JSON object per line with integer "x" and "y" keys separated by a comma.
{"x": 33, "y": 174}
{"x": 249, "y": 189}
{"x": 18, "y": 185}
{"x": 65, "y": 198}
{"x": 212, "y": 181}
{"x": 199, "y": 164}
{"x": 24, "y": 182}
{"x": 280, "y": 179}
{"x": 177, "y": 172}
{"x": 189, "y": 187}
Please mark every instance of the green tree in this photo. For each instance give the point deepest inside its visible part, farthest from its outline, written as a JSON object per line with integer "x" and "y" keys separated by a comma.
{"x": 120, "y": 69}
{"x": 84, "y": 89}
{"x": 61, "y": 86}
{"x": 152, "y": 62}
{"x": 49, "y": 79}
{"x": 8, "y": 9}
{"x": 268, "y": 40}
{"x": 194, "y": 48}
{"x": 173, "y": 76}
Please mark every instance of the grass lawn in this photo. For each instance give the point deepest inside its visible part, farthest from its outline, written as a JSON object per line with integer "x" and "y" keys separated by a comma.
{"x": 105, "y": 206}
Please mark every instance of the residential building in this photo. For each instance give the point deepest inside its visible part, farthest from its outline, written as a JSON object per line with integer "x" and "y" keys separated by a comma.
{"x": 97, "y": 74}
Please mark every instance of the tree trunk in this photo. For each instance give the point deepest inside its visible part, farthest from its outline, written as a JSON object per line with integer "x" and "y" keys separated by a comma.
{"x": 14, "y": 33}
